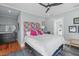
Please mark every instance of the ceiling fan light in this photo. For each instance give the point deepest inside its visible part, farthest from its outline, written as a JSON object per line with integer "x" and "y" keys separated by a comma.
{"x": 50, "y": 5}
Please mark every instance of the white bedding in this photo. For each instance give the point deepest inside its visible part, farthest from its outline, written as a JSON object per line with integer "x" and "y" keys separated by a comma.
{"x": 45, "y": 44}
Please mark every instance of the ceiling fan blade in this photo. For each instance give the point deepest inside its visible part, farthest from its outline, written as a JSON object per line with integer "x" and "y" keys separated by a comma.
{"x": 55, "y": 4}
{"x": 47, "y": 10}
{"x": 43, "y": 5}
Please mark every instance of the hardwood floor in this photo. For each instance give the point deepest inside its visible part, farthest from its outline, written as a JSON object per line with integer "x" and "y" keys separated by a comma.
{"x": 13, "y": 49}
{"x": 9, "y": 48}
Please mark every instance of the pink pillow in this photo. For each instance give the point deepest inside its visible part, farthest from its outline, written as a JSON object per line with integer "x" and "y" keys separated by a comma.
{"x": 40, "y": 32}
{"x": 33, "y": 33}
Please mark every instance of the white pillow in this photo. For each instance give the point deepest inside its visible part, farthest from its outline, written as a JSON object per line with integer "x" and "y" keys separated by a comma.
{"x": 28, "y": 33}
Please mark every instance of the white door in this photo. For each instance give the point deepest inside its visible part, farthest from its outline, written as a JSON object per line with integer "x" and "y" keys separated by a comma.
{"x": 58, "y": 27}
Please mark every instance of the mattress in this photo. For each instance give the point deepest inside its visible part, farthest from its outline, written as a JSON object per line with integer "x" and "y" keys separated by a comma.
{"x": 45, "y": 44}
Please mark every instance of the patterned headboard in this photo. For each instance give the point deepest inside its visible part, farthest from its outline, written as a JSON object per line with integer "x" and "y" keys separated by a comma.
{"x": 32, "y": 24}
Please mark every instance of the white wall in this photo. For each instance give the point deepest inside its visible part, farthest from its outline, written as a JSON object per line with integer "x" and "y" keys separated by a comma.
{"x": 68, "y": 21}
{"x": 26, "y": 17}
{"x": 49, "y": 24}
{"x": 8, "y": 20}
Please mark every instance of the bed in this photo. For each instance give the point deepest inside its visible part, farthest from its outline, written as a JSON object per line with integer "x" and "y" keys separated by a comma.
{"x": 46, "y": 44}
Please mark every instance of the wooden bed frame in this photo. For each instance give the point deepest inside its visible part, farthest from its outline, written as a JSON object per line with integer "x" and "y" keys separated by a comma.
{"x": 35, "y": 53}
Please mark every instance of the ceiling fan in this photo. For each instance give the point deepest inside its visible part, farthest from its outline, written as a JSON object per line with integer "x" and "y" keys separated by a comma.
{"x": 49, "y": 5}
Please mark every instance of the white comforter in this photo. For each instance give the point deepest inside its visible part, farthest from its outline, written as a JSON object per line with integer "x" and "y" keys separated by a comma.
{"x": 45, "y": 44}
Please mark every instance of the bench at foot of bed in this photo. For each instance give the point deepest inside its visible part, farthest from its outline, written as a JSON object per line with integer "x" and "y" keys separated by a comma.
{"x": 59, "y": 51}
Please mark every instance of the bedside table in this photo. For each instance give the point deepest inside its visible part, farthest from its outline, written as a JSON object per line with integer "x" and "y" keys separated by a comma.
{"x": 73, "y": 42}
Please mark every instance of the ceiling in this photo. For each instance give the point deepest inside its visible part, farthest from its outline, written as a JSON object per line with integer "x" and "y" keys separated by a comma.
{"x": 37, "y": 10}
{"x": 8, "y": 12}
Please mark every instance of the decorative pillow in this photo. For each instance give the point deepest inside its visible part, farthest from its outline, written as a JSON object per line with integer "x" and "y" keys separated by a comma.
{"x": 35, "y": 29}
{"x": 28, "y": 33}
{"x": 40, "y": 32}
{"x": 33, "y": 33}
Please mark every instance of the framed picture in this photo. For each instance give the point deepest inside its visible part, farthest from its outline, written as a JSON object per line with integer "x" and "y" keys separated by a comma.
{"x": 72, "y": 29}
{"x": 76, "y": 20}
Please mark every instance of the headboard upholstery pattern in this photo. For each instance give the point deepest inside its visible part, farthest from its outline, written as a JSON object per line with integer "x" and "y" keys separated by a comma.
{"x": 33, "y": 25}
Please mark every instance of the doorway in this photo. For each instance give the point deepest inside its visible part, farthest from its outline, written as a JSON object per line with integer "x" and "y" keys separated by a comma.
{"x": 58, "y": 27}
